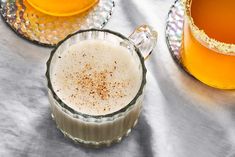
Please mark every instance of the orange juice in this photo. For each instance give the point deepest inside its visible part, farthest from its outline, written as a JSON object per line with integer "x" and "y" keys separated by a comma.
{"x": 209, "y": 55}
{"x": 62, "y": 7}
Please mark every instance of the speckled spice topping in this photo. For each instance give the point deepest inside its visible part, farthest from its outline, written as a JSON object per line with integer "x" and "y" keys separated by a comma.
{"x": 95, "y": 77}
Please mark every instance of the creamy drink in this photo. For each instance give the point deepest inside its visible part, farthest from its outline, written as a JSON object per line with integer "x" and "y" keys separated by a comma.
{"x": 96, "y": 81}
{"x": 95, "y": 77}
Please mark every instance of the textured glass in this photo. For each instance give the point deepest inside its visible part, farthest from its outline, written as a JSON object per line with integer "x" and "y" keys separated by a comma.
{"x": 96, "y": 130}
{"x": 48, "y": 30}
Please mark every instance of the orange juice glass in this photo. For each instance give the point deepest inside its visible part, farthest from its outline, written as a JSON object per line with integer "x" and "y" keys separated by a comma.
{"x": 209, "y": 42}
{"x": 62, "y": 7}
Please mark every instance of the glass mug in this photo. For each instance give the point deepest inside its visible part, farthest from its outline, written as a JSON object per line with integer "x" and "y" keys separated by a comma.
{"x": 208, "y": 42}
{"x": 99, "y": 130}
{"x": 62, "y": 7}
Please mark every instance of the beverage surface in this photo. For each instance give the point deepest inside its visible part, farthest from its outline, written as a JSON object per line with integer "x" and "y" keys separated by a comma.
{"x": 215, "y": 18}
{"x": 96, "y": 77}
{"x": 62, "y": 7}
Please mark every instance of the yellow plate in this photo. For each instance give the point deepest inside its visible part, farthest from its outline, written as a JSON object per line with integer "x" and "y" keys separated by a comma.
{"x": 62, "y": 7}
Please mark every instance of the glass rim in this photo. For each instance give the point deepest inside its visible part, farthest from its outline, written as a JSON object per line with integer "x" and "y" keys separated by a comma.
{"x": 218, "y": 46}
{"x": 109, "y": 115}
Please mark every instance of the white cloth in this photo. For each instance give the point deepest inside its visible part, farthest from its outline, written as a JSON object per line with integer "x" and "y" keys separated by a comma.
{"x": 181, "y": 117}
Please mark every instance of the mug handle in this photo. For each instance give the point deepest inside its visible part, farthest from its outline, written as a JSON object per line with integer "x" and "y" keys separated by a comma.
{"x": 145, "y": 38}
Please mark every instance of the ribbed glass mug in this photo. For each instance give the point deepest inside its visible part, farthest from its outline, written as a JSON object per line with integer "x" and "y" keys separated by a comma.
{"x": 102, "y": 129}
{"x": 208, "y": 46}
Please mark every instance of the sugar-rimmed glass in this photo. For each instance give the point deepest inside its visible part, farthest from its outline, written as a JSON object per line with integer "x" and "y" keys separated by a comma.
{"x": 209, "y": 60}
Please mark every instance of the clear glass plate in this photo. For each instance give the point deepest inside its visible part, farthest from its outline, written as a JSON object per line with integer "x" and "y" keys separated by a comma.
{"x": 174, "y": 31}
{"x": 48, "y": 30}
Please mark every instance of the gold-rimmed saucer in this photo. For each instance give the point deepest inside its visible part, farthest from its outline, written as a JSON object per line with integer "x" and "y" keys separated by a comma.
{"x": 48, "y": 30}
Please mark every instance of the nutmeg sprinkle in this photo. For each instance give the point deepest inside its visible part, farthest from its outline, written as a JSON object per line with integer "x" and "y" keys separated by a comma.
{"x": 96, "y": 77}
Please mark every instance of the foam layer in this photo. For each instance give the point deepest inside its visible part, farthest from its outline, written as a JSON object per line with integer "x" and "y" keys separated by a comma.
{"x": 95, "y": 77}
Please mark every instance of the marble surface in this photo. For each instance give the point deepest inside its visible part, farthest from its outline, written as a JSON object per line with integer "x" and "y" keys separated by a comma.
{"x": 181, "y": 117}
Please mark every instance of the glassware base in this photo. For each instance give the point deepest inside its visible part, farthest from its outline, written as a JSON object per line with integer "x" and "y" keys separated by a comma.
{"x": 94, "y": 144}
{"x": 48, "y": 30}
{"x": 174, "y": 32}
